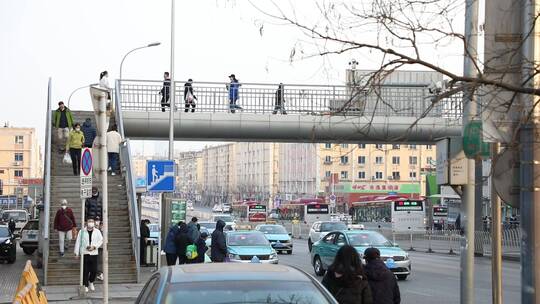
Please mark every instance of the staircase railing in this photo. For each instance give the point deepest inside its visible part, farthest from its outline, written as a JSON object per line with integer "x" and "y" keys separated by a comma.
{"x": 125, "y": 157}
{"x": 47, "y": 182}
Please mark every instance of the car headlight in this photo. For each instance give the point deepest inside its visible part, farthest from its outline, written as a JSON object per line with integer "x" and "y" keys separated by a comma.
{"x": 7, "y": 242}
{"x": 233, "y": 256}
{"x": 406, "y": 257}
{"x": 273, "y": 256}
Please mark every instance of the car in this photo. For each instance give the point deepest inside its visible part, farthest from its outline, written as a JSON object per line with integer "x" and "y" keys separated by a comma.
{"x": 189, "y": 206}
{"x": 242, "y": 246}
{"x": 321, "y": 228}
{"x": 217, "y": 208}
{"x": 226, "y": 208}
{"x": 278, "y": 236}
{"x": 356, "y": 227}
{"x": 209, "y": 227}
{"x": 30, "y": 237}
{"x": 19, "y": 215}
{"x": 227, "y": 218}
{"x": 324, "y": 251}
{"x": 8, "y": 249}
{"x": 214, "y": 283}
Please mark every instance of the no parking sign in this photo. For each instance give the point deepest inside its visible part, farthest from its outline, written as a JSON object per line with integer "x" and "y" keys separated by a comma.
{"x": 87, "y": 162}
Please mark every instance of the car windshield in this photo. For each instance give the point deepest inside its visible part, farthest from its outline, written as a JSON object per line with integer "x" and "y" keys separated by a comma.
{"x": 248, "y": 292}
{"x": 4, "y": 232}
{"x": 16, "y": 215}
{"x": 31, "y": 225}
{"x": 325, "y": 227}
{"x": 208, "y": 225}
{"x": 225, "y": 218}
{"x": 246, "y": 239}
{"x": 368, "y": 239}
{"x": 272, "y": 230}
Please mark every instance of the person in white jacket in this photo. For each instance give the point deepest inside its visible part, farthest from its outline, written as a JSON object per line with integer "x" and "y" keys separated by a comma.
{"x": 88, "y": 242}
{"x": 104, "y": 83}
{"x": 114, "y": 139}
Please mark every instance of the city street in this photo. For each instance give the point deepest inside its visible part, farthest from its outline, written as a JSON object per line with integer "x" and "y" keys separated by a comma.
{"x": 11, "y": 273}
{"x": 434, "y": 278}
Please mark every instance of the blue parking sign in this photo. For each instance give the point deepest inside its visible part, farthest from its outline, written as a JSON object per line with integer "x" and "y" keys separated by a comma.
{"x": 160, "y": 176}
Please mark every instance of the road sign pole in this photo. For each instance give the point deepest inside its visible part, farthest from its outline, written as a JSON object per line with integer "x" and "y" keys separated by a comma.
{"x": 81, "y": 256}
{"x": 162, "y": 228}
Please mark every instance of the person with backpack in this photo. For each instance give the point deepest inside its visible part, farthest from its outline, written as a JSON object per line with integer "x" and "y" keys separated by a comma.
{"x": 201, "y": 247}
{"x": 64, "y": 222}
{"x": 181, "y": 242}
{"x": 170, "y": 245}
{"x": 89, "y": 132}
{"x": 345, "y": 278}
{"x": 193, "y": 231}
{"x": 384, "y": 287}
{"x": 218, "y": 251}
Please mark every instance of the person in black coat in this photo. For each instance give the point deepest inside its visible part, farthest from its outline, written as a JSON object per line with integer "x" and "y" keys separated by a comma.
{"x": 181, "y": 241}
{"x": 280, "y": 101}
{"x": 145, "y": 234}
{"x": 93, "y": 206}
{"x": 189, "y": 97}
{"x": 218, "y": 251}
{"x": 383, "y": 283}
{"x": 11, "y": 226}
{"x": 345, "y": 278}
{"x": 201, "y": 247}
{"x": 89, "y": 132}
{"x": 165, "y": 91}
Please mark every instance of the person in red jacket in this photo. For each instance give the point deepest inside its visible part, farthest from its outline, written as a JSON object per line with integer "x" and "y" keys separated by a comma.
{"x": 64, "y": 222}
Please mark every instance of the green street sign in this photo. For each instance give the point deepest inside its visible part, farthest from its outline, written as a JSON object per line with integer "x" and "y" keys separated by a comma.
{"x": 473, "y": 146}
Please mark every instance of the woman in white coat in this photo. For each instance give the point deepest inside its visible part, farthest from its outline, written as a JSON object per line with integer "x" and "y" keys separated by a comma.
{"x": 88, "y": 242}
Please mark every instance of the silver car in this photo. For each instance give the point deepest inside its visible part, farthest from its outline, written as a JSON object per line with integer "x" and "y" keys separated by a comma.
{"x": 320, "y": 229}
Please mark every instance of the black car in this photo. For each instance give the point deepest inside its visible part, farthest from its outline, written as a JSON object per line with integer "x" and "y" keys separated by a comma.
{"x": 7, "y": 245}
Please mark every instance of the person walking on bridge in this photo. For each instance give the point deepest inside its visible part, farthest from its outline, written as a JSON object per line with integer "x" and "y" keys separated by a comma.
{"x": 64, "y": 222}
{"x": 114, "y": 139}
{"x": 234, "y": 88}
{"x": 63, "y": 122}
{"x": 189, "y": 97}
{"x": 89, "y": 132}
{"x": 75, "y": 144}
{"x": 279, "y": 105}
{"x": 165, "y": 91}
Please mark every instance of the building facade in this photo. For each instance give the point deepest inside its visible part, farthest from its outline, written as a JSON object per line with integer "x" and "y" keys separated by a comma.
{"x": 219, "y": 174}
{"x": 20, "y": 159}
{"x": 188, "y": 183}
{"x": 299, "y": 168}
{"x": 257, "y": 171}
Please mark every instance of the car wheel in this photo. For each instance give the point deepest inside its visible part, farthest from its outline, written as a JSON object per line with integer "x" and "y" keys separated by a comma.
{"x": 402, "y": 277}
{"x": 29, "y": 251}
{"x": 318, "y": 266}
{"x": 289, "y": 251}
{"x": 309, "y": 244}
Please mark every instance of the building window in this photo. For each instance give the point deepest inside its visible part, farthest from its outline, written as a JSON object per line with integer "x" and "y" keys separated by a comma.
{"x": 328, "y": 159}
{"x": 18, "y": 157}
{"x": 361, "y": 146}
{"x": 18, "y": 173}
{"x": 395, "y": 175}
{"x": 412, "y": 175}
{"x": 412, "y": 147}
{"x": 395, "y": 147}
{"x": 395, "y": 160}
{"x": 344, "y": 145}
{"x": 361, "y": 160}
{"x": 379, "y": 146}
{"x": 361, "y": 175}
{"x": 19, "y": 139}
{"x": 429, "y": 147}
{"x": 328, "y": 146}
{"x": 327, "y": 174}
{"x": 379, "y": 160}
{"x": 378, "y": 175}
{"x": 344, "y": 174}
{"x": 413, "y": 160}
{"x": 2, "y": 171}
{"x": 344, "y": 160}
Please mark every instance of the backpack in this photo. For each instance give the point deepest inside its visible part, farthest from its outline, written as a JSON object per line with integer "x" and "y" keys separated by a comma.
{"x": 191, "y": 252}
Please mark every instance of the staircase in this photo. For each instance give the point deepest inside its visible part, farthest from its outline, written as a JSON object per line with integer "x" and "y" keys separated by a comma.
{"x": 64, "y": 185}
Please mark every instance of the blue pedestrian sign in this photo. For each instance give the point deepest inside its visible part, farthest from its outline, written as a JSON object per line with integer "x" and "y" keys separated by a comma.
{"x": 160, "y": 176}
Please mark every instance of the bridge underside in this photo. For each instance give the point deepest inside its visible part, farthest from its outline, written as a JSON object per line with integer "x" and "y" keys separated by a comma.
{"x": 287, "y": 128}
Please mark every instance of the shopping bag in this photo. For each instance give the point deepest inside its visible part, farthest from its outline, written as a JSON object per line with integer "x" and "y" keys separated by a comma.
{"x": 67, "y": 159}
{"x": 207, "y": 259}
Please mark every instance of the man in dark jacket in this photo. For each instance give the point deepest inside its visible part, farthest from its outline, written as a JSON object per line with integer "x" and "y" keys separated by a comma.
{"x": 189, "y": 97}
{"x": 193, "y": 231}
{"x": 201, "y": 247}
{"x": 165, "y": 91}
{"x": 145, "y": 234}
{"x": 280, "y": 101}
{"x": 170, "y": 246}
{"x": 89, "y": 133}
{"x": 384, "y": 287}
{"x": 219, "y": 245}
{"x": 93, "y": 206}
{"x": 181, "y": 242}
{"x": 11, "y": 226}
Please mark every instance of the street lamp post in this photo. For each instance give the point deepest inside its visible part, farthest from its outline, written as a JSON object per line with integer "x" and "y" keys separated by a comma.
{"x": 135, "y": 49}
{"x": 69, "y": 99}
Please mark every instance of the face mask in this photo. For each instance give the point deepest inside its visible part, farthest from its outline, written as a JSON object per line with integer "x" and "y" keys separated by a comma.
{"x": 97, "y": 223}
{"x": 64, "y": 207}
{"x": 78, "y": 129}
{"x": 90, "y": 225}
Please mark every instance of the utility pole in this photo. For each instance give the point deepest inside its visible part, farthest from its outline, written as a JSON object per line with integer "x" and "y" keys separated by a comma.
{"x": 496, "y": 233}
{"x": 468, "y": 199}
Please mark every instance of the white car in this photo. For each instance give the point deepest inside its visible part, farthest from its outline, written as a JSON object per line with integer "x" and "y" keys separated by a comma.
{"x": 226, "y": 208}
{"x": 190, "y": 206}
{"x": 320, "y": 229}
{"x": 217, "y": 208}
{"x": 30, "y": 237}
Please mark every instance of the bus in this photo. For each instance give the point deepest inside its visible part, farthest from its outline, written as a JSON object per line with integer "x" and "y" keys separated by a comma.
{"x": 399, "y": 213}
{"x": 440, "y": 217}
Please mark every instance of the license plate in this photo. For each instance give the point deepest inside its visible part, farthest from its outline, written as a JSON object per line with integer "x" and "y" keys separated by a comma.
{"x": 31, "y": 236}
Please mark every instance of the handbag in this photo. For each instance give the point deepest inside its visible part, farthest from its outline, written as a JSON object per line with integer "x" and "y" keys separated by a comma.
{"x": 74, "y": 233}
{"x": 67, "y": 159}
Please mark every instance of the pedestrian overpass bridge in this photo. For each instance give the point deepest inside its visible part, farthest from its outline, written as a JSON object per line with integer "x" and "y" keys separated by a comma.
{"x": 314, "y": 113}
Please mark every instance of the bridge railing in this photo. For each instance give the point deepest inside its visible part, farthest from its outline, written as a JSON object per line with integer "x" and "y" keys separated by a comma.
{"x": 258, "y": 98}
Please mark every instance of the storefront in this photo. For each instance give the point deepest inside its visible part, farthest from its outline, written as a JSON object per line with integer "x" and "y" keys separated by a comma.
{"x": 347, "y": 193}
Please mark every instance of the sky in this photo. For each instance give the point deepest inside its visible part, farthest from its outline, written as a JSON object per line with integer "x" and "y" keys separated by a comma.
{"x": 72, "y": 41}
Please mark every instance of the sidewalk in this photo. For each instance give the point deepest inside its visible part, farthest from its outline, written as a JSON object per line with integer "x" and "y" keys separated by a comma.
{"x": 118, "y": 293}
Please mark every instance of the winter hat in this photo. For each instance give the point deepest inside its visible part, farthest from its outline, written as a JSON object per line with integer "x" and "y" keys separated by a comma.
{"x": 371, "y": 254}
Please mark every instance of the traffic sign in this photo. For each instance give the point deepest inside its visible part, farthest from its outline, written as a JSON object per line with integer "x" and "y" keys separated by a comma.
{"x": 473, "y": 144}
{"x": 160, "y": 175}
{"x": 87, "y": 162}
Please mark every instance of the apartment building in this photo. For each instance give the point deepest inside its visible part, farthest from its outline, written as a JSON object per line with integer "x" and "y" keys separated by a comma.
{"x": 20, "y": 159}
{"x": 189, "y": 168}
{"x": 257, "y": 171}
{"x": 219, "y": 173}
{"x": 299, "y": 168}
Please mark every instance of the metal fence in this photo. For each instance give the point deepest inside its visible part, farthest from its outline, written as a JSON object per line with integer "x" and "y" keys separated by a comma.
{"x": 383, "y": 100}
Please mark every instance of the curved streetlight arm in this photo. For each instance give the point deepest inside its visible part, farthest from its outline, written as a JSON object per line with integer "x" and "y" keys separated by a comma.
{"x": 135, "y": 49}
{"x": 69, "y": 99}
